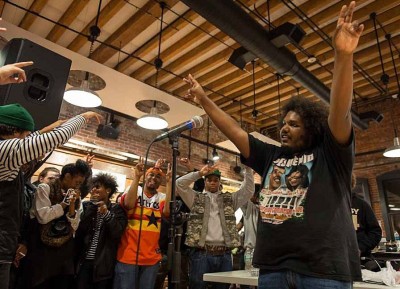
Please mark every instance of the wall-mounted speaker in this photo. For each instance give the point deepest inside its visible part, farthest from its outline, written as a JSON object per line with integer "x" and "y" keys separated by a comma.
{"x": 42, "y": 93}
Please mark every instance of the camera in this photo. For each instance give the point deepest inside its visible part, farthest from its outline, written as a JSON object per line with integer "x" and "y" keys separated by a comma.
{"x": 67, "y": 197}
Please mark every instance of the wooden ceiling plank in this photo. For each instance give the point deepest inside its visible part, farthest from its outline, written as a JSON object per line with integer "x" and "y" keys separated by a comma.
{"x": 28, "y": 19}
{"x": 73, "y": 10}
{"x": 174, "y": 49}
{"x": 168, "y": 32}
{"x": 106, "y": 14}
{"x": 136, "y": 24}
{"x": 214, "y": 61}
{"x": 191, "y": 56}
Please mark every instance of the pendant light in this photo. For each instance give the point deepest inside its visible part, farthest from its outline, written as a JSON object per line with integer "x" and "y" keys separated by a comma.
{"x": 152, "y": 120}
{"x": 393, "y": 151}
{"x": 82, "y": 93}
{"x": 215, "y": 155}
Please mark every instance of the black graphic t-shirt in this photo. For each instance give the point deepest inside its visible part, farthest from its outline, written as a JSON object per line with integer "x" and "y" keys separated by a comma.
{"x": 306, "y": 223}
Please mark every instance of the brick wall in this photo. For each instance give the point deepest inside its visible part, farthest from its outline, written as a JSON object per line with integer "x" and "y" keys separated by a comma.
{"x": 134, "y": 139}
{"x": 370, "y": 144}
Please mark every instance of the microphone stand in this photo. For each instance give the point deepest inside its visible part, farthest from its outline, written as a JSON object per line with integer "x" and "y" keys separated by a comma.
{"x": 175, "y": 231}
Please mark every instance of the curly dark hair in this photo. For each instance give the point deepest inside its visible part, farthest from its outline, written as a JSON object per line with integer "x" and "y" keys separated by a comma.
{"x": 314, "y": 115}
{"x": 6, "y": 130}
{"x": 80, "y": 168}
{"x": 107, "y": 180}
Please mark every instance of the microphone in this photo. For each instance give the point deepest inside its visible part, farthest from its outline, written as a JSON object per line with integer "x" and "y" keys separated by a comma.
{"x": 195, "y": 122}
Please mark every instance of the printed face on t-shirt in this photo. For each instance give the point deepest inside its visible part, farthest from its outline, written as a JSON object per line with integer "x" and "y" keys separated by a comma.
{"x": 275, "y": 177}
{"x": 285, "y": 189}
{"x": 293, "y": 134}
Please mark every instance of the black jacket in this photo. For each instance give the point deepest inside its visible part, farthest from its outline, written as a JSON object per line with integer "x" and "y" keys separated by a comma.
{"x": 369, "y": 233}
{"x": 110, "y": 234}
{"x": 11, "y": 211}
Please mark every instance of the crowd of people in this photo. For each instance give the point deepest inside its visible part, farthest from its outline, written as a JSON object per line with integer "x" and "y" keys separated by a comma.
{"x": 299, "y": 222}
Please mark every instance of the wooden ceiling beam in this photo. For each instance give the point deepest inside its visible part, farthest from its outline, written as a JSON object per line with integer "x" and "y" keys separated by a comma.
{"x": 136, "y": 24}
{"x": 66, "y": 19}
{"x": 190, "y": 56}
{"x": 182, "y": 44}
{"x": 106, "y": 14}
{"x": 152, "y": 44}
{"x": 28, "y": 19}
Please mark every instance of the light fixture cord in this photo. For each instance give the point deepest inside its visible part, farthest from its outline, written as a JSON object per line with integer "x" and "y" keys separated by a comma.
{"x": 392, "y": 119}
{"x": 388, "y": 37}
{"x": 208, "y": 134}
{"x": 158, "y": 63}
{"x": 278, "y": 76}
{"x": 384, "y": 77}
{"x": 254, "y": 86}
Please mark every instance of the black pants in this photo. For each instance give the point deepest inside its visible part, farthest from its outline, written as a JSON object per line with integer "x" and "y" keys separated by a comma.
{"x": 4, "y": 275}
{"x": 84, "y": 279}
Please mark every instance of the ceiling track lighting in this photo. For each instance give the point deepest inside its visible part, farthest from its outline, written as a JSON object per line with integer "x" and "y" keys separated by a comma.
{"x": 152, "y": 120}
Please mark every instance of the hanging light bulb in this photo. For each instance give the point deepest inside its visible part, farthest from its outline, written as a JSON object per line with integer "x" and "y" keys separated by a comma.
{"x": 82, "y": 96}
{"x": 152, "y": 120}
{"x": 394, "y": 151}
{"x": 215, "y": 155}
{"x": 82, "y": 93}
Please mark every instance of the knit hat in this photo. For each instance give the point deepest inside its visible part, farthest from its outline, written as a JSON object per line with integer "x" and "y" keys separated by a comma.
{"x": 214, "y": 173}
{"x": 16, "y": 116}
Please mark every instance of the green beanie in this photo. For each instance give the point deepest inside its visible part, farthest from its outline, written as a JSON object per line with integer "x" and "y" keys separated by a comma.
{"x": 214, "y": 173}
{"x": 17, "y": 116}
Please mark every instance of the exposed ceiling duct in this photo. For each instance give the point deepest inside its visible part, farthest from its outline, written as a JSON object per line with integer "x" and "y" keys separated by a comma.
{"x": 235, "y": 22}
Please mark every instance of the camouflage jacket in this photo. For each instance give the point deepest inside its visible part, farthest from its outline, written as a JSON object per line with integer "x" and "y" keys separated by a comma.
{"x": 200, "y": 206}
{"x": 198, "y": 220}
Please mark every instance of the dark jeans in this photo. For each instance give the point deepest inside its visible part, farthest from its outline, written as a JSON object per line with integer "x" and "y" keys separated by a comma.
{"x": 84, "y": 280}
{"x": 201, "y": 262}
{"x": 4, "y": 275}
{"x": 291, "y": 280}
{"x": 163, "y": 272}
{"x": 126, "y": 276}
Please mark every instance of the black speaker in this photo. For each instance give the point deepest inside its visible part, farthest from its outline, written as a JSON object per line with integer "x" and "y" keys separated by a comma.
{"x": 42, "y": 93}
{"x": 240, "y": 57}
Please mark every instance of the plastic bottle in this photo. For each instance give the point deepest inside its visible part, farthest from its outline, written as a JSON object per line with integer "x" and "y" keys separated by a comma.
{"x": 397, "y": 240}
{"x": 248, "y": 259}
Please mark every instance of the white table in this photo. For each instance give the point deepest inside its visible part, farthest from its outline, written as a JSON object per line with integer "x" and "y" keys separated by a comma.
{"x": 243, "y": 277}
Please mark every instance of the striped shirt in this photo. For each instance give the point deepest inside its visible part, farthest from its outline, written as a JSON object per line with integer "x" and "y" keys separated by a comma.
{"x": 91, "y": 253}
{"x": 16, "y": 152}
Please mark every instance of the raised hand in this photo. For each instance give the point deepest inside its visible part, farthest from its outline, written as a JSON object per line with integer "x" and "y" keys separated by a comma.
{"x": 348, "y": 32}
{"x": 186, "y": 163}
{"x": 90, "y": 114}
{"x": 89, "y": 159}
{"x": 169, "y": 173}
{"x": 160, "y": 163}
{"x": 196, "y": 91}
{"x": 138, "y": 169}
{"x": 13, "y": 73}
{"x": 207, "y": 169}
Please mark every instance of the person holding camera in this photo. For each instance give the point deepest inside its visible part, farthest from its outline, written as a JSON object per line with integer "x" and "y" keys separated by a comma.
{"x": 54, "y": 219}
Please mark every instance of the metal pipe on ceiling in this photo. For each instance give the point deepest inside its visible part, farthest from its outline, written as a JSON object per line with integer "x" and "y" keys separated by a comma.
{"x": 235, "y": 22}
